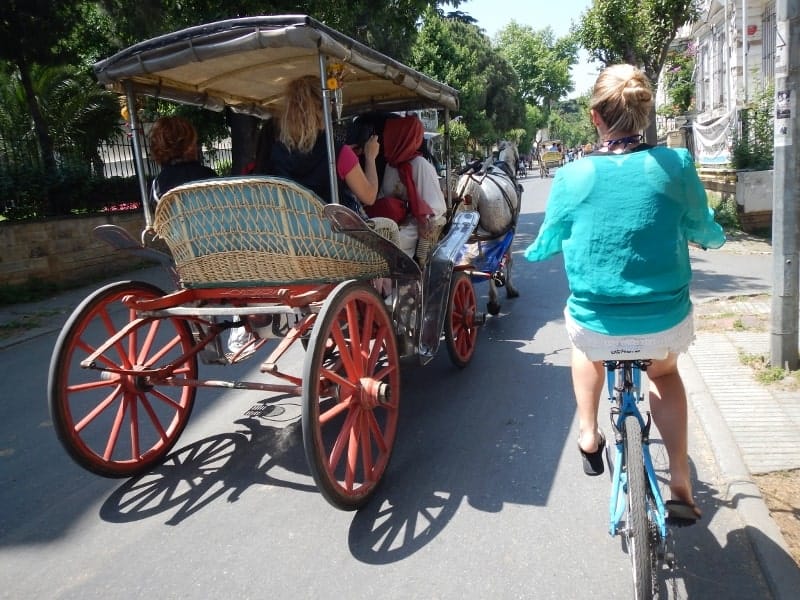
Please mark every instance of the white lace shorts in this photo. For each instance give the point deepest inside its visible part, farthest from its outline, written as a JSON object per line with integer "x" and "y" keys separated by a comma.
{"x": 599, "y": 346}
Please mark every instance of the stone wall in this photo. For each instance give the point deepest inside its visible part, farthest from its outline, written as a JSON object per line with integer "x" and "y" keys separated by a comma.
{"x": 64, "y": 251}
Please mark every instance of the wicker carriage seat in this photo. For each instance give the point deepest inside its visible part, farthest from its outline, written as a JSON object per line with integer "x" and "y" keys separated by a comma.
{"x": 257, "y": 231}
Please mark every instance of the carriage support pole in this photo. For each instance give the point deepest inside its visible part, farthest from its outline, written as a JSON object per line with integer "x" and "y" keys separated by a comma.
{"x": 136, "y": 133}
{"x": 447, "y": 161}
{"x": 326, "y": 115}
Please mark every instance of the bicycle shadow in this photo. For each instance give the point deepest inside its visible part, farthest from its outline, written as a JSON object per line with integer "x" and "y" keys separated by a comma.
{"x": 700, "y": 564}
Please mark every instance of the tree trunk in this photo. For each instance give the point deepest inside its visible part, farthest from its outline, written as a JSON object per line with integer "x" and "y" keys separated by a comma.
{"x": 46, "y": 154}
{"x": 651, "y": 133}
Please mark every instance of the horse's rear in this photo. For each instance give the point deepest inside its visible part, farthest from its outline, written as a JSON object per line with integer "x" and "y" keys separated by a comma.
{"x": 495, "y": 194}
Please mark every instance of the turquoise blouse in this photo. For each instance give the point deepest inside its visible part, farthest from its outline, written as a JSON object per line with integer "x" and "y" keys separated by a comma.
{"x": 623, "y": 222}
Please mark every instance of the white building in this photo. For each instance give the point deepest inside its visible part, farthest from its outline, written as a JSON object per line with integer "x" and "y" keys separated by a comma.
{"x": 735, "y": 60}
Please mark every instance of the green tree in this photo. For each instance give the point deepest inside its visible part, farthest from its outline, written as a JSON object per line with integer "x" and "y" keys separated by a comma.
{"x": 753, "y": 148}
{"x": 570, "y": 122}
{"x": 678, "y": 81}
{"x": 32, "y": 32}
{"x": 638, "y": 32}
{"x": 460, "y": 55}
{"x": 541, "y": 62}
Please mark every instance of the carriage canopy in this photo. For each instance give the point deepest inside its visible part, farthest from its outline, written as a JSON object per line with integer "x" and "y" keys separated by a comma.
{"x": 246, "y": 63}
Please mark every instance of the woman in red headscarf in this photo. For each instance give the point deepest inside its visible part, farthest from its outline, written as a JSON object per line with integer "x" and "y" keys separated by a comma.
{"x": 411, "y": 177}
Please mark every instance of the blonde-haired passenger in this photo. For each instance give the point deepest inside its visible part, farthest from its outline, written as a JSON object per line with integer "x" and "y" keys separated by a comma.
{"x": 301, "y": 151}
{"x": 623, "y": 217}
{"x": 173, "y": 145}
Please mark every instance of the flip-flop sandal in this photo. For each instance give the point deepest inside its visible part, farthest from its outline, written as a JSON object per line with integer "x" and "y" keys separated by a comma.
{"x": 681, "y": 514}
{"x": 593, "y": 461}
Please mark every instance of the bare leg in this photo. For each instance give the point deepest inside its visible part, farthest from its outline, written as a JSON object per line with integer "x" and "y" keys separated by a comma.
{"x": 668, "y": 407}
{"x": 587, "y": 381}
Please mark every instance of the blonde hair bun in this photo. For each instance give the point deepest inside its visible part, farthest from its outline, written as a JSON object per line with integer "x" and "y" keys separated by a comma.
{"x": 623, "y": 96}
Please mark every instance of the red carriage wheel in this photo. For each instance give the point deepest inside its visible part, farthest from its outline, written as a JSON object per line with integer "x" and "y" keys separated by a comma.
{"x": 461, "y": 320}
{"x": 114, "y": 424}
{"x": 351, "y": 395}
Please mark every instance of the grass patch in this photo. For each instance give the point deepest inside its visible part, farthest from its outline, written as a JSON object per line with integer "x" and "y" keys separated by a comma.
{"x": 36, "y": 289}
{"x": 25, "y": 323}
{"x": 767, "y": 375}
{"x": 32, "y": 291}
{"x": 16, "y": 324}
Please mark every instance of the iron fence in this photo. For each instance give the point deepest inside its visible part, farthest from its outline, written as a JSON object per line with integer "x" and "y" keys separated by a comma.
{"x": 28, "y": 188}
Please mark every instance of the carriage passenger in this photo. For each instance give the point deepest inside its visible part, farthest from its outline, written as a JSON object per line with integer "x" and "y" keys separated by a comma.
{"x": 410, "y": 177}
{"x": 173, "y": 145}
{"x": 301, "y": 154}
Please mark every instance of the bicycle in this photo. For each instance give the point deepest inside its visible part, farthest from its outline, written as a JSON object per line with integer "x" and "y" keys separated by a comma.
{"x": 637, "y": 510}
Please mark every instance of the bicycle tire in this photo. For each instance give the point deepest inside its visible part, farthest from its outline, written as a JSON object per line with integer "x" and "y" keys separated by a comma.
{"x": 639, "y": 540}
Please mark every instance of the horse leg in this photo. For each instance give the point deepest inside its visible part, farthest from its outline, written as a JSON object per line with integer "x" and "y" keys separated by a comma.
{"x": 511, "y": 291}
{"x": 493, "y": 306}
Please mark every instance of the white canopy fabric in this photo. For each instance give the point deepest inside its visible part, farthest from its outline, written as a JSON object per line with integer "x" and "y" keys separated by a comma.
{"x": 245, "y": 64}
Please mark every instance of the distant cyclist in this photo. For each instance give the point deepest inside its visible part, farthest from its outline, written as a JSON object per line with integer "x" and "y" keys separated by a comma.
{"x": 623, "y": 218}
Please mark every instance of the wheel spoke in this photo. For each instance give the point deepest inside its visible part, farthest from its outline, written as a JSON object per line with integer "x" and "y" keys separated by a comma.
{"x": 342, "y": 438}
{"x": 334, "y": 411}
{"x": 353, "y": 311}
{"x": 115, "y": 429}
{"x": 367, "y": 461}
{"x": 134, "y": 425}
{"x": 152, "y": 330}
{"x": 345, "y": 354}
{"x": 97, "y": 410}
{"x": 112, "y": 329}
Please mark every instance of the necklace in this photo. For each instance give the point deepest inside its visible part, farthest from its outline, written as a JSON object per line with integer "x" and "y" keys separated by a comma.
{"x": 624, "y": 141}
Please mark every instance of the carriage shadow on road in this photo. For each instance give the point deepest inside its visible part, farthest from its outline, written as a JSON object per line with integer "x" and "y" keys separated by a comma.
{"x": 266, "y": 451}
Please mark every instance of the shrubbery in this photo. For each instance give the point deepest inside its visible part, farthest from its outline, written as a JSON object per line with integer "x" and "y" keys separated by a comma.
{"x": 753, "y": 147}
{"x": 29, "y": 192}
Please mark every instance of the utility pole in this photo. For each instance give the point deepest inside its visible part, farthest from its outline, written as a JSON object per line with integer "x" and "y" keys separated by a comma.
{"x": 786, "y": 190}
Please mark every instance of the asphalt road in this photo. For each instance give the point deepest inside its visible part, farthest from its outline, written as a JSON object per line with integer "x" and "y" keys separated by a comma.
{"x": 484, "y": 497}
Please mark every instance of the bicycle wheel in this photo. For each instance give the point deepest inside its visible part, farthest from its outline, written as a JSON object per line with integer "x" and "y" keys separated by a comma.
{"x": 641, "y": 549}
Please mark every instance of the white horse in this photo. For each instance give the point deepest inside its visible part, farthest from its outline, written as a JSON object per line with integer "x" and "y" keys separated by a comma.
{"x": 495, "y": 194}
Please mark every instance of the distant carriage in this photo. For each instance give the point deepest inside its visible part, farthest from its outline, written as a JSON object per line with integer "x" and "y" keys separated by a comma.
{"x": 551, "y": 155}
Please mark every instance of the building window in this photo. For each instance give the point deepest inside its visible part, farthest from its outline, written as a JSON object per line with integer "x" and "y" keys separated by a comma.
{"x": 701, "y": 69}
{"x": 768, "y": 29}
{"x": 718, "y": 74}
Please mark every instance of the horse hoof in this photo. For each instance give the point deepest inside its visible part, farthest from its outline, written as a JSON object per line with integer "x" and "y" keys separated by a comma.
{"x": 493, "y": 308}
{"x": 511, "y": 293}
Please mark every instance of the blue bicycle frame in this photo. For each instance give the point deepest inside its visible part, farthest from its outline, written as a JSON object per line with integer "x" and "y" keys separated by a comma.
{"x": 624, "y": 392}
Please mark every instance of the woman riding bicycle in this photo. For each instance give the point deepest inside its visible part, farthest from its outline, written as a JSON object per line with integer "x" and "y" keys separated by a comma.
{"x": 624, "y": 218}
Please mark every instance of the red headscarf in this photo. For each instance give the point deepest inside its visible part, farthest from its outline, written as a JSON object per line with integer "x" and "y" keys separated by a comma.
{"x": 402, "y": 138}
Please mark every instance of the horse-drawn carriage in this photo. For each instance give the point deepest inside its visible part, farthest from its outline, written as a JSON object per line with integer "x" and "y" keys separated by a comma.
{"x": 267, "y": 253}
{"x": 551, "y": 156}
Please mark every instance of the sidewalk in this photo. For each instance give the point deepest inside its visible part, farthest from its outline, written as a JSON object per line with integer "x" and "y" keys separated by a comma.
{"x": 752, "y": 429}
